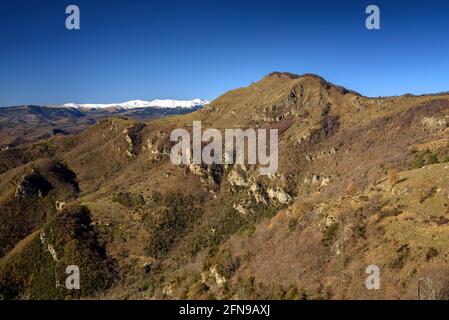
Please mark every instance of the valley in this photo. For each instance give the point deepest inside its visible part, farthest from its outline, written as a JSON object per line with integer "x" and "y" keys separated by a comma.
{"x": 22, "y": 124}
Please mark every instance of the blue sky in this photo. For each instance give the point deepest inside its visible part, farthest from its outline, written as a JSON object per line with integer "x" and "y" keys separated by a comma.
{"x": 187, "y": 49}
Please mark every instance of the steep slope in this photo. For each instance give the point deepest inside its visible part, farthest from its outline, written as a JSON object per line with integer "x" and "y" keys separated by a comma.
{"x": 359, "y": 183}
{"x": 30, "y": 195}
{"x": 37, "y": 270}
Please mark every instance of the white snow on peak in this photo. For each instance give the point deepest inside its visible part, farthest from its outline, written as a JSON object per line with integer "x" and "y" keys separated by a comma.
{"x": 135, "y": 104}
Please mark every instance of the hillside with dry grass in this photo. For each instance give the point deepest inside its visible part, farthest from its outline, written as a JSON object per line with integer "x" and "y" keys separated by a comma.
{"x": 361, "y": 182}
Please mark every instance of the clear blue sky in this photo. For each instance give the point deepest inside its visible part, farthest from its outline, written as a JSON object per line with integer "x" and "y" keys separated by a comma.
{"x": 188, "y": 49}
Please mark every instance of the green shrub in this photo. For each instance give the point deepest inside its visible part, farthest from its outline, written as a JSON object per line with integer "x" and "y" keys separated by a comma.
{"x": 229, "y": 223}
{"x": 330, "y": 233}
{"x": 251, "y": 230}
{"x": 46, "y": 148}
{"x": 225, "y": 262}
{"x": 292, "y": 224}
{"x": 34, "y": 273}
{"x": 425, "y": 158}
{"x": 432, "y": 158}
{"x": 129, "y": 200}
{"x": 168, "y": 219}
{"x": 419, "y": 162}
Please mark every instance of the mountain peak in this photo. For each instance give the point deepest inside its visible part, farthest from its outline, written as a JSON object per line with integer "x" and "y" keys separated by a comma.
{"x": 320, "y": 79}
{"x": 279, "y": 74}
{"x": 290, "y": 75}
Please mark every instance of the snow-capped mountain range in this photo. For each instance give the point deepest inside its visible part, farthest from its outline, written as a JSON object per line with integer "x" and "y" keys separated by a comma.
{"x": 136, "y": 104}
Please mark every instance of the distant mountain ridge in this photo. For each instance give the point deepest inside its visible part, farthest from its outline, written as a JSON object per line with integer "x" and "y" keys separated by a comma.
{"x": 136, "y": 104}
{"x": 22, "y": 124}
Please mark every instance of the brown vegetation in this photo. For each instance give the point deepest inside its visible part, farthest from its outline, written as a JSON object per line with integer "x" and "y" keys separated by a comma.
{"x": 223, "y": 231}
